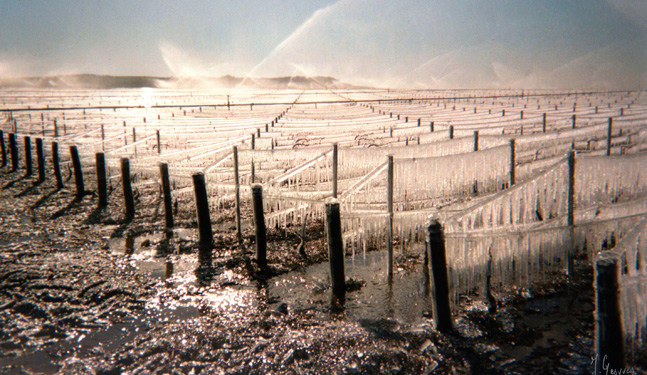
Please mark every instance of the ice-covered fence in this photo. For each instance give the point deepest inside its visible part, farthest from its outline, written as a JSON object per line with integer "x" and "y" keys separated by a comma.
{"x": 607, "y": 179}
{"x": 523, "y": 256}
{"x": 629, "y": 285}
{"x": 540, "y": 198}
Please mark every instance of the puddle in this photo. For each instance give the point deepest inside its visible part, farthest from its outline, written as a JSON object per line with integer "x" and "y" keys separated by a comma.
{"x": 406, "y": 298}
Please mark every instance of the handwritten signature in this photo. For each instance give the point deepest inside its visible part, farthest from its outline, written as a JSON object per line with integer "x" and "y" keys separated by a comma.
{"x": 605, "y": 368}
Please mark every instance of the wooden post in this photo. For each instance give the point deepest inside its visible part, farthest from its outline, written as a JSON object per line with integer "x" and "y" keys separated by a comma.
{"x": 239, "y": 233}
{"x": 102, "y": 186}
{"x": 13, "y": 149}
{"x": 253, "y": 141}
{"x": 451, "y": 131}
{"x": 543, "y": 127}
{"x": 609, "y": 335}
{"x": 418, "y": 122}
{"x": 571, "y": 211}
{"x": 40, "y": 156}
{"x": 28, "y": 166}
{"x": 335, "y": 161}
{"x": 389, "y": 208}
{"x": 476, "y": 140}
{"x": 78, "y": 173}
{"x": 159, "y": 142}
{"x": 166, "y": 191}
{"x": 259, "y": 225}
{"x": 55, "y": 129}
{"x": 3, "y": 149}
{"x": 335, "y": 249}
{"x": 202, "y": 210}
{"x": 431, "y": 127}
{"x": 521, "y": 115}
{"x": 513, "y": 163}
{"x": 57, "y": 166}
{"x": 438, "y": 260}
{"x": 574, "y": 120}
{"x": 134, "y": 141}
{"x": 129, "y": 201}
{"x": 503, "y": 113}
{"x": 609, "y": 134}
{"x": 103, "y": 138}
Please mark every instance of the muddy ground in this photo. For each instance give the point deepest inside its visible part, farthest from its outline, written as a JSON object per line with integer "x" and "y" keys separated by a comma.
{"x": 72, "y": 302}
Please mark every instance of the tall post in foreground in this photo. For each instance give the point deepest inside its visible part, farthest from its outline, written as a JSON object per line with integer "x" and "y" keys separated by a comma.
{"x": 259, "y": 225}
{"x": 571, "y": 212}
{"x": 166, "y": 191}
{"x": 102, "y": 186}
{"x": 609, "y": 133}
{"x": 3, "y": 150}
{"x": 129, "y": 200}
{"x": 202, "y": 210}
{"x": 513, "y": 162}
{"x": 389, "y": 208}
{"x": 57, "y": 166}
{"x": 239, "y": 233}
{"x": 438, "y": 261}
{"x": 78, "y": 173}
{"x": 40, "y": 157}
{"x": 28, "y": 167}
{"x": 609, "y": 335}
{"x": 334, "y": 169}
{"x": 335, "y": 249}
{"x": 476, "y": 140}
{"x": 13, "y": 149}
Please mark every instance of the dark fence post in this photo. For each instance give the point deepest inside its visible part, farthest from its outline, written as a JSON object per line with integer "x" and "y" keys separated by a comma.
{"x": 129, "y": 201}
{"x": 253, "y": 141}
{"x": 202, "y": 210}
{"x": 102, "y": 186}
{"x": 103, "y": 138}
{"x": 13, "y": 148}
{"x": 512, "y": 162}
{"x": 40, "y": 156}
{"x": 389, "y": 208}
{"x": 543, "y": 127}
{"x": 57, "y": 166}
{"x": 239, "y": 231}
{"x": 259, "y": 225}
{"x": 609, "y": 133}
{"x": 609, "y": 336}
{"x": 438, "y": 261}
{"x": 571, "y": 211}
{"x": 335, "y": 249}
{"x": 166, "y": 191}
{"x": 335, "y": 160}
{"x": 431, "y": 127}
{"x": 78, "y": 173}
{"x": 451, "y": 131}
{"x": 28, "y": 166}
{"x": 159, "y": 142}
{"x": 3, "y": 149}
{"x": 476, "y": 140}
{"x": 574, "y": 120}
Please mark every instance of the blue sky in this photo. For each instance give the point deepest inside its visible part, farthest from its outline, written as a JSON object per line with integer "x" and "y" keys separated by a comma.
{"x": 437, "y": 44}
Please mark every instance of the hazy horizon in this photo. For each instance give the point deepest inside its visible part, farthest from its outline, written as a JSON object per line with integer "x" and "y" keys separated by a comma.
{"x": 408, "y": 44}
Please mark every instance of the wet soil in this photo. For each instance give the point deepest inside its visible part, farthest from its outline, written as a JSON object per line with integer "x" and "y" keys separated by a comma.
{"x": 83, "y": 291}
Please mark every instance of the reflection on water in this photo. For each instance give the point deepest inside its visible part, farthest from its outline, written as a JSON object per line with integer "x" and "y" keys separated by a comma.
{"x": 405, "y": 297}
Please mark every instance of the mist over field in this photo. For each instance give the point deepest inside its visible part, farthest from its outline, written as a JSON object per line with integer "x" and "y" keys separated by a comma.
{"x": 408, "y": 44}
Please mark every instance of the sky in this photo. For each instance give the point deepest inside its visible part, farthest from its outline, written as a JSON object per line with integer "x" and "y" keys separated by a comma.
{"x": 385, "y": 43}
